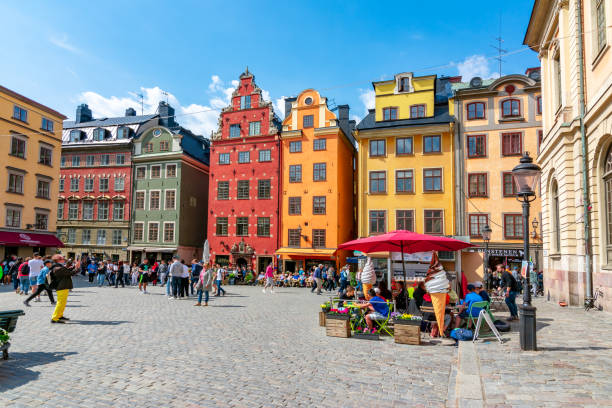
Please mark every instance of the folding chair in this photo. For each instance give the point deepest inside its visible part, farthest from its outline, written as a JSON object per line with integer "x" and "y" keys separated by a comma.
{"x": 383, "y": 325}
{"x": 472, "y": 319}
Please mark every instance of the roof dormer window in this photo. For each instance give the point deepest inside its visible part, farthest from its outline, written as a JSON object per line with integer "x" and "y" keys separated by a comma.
{"x": 123, "y": 132}
{"x": 404, "y": 84}
{"x": 99, "y": 134}
{"x": 76, "y": 136}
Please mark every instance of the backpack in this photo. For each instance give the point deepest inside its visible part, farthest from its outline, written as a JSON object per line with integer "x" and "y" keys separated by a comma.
{"x": 462, "y": 334}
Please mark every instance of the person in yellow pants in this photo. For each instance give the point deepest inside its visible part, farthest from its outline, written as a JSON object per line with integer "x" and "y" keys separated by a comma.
{"x": 61, "y": 281}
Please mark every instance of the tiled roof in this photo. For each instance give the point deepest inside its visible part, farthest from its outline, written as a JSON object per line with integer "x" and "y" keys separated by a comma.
{"x": 440, "y": 116}
{"x": 465, "y": 85}
{"x": 121, "y": 120}
{"x": 195, "y": 146}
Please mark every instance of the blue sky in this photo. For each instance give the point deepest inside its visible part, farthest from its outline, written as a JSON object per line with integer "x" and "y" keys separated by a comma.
{"x": 62, "y": 53}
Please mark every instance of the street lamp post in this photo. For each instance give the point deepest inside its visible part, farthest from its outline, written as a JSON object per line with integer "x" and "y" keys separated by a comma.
{"x": 486, "y": 237}
{"x": 526, "y": 176}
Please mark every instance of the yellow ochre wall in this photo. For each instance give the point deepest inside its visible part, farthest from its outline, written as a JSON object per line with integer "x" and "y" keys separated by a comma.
{"x": 387, "y": 95}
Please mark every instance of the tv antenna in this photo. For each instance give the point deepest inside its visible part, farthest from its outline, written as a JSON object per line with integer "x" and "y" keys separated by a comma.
{"x": 498, "y": 47}
{"x": 165, "y": 94}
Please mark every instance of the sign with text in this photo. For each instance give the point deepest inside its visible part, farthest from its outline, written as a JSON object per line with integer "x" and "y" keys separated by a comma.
{"x": 518, "y": 253}
{"x": 412, "y": 270}
{"x": 415, "y": 257}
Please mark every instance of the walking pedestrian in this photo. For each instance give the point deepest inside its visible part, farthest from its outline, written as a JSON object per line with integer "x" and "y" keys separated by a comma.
{"x": 163, "y": 272}
{"x": 92, "y": 269}
{"x": 220, "y": 276}
{"x": 35, "y": 265}
{"x": 24, "y": 276}
{"x": 135, "y": 273}
{"x": 41, "y": 282}
{"x": 119, "y": 278}
{"x": 14, "y": 271}
{"x": 344, "y": 275}
{"x": 101, "y": 274}
{"x": 204, "y": 285}
{"x": 510, "y": 287}
{"x": 184, "y": 280}
{"x": 318, "y": 274}
{"x": 269, "y": 276}
{"x": 196, "y": 268}
{"x": 175, "y": 272}
{"x": 143, "y": 278}
{"x": 126, "y": 272}
{"x": 61, "y": 280}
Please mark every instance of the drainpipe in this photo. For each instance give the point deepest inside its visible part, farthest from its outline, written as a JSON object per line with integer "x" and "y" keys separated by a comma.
{"x": 585, "y": 180}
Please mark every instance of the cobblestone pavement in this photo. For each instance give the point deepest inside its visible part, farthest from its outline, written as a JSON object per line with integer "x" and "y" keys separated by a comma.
{"x": 123, "y": 349}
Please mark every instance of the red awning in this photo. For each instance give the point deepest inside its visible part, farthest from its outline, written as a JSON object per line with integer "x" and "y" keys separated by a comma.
{"x": 29, "y": 239}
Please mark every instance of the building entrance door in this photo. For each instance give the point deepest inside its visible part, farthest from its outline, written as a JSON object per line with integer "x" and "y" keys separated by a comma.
{"x": 240, "y": 262}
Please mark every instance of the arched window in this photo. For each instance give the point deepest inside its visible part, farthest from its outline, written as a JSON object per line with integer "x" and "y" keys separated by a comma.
{"x": 511, "y": 108}
{"x": 556, "y": 221}
{"x": 607, "y": 180}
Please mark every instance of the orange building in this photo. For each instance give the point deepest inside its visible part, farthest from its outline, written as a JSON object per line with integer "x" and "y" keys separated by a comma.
{"x": 318, "y": 176}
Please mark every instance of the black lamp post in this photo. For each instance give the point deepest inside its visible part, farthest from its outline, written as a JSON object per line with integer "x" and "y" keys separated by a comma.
{"x": 526, "y": 176}
{"x": 486, "y": 237}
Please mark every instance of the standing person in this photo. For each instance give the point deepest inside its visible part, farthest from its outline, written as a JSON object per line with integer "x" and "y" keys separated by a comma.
{"x": 24, "y": 276}
{"x": 220, "y": 273}
{"x": 61, "y": 280}
{"x": 101, "y": 273}
{"x": 318, "y": 275}
{"x": 112, "y": 273}
{"x": 42, "y": 284}
{"x": 184, "y": 280}
{"x": 153, "y": 275}
{"x": 126, "y": 272}
{"x": 196, "y": 268}
{"x": 175, "y": 272}
{"x": 14, "y": 271}
{"x": 331, "y": 279}
{"x": 35, "y": 265}
{"x": 119, "y": 275}
{"x": 143, "y": 278}
{"x": 91, "y": 271}
{"x": 204, "y": 285}
{"x": 163, "y": 272}
{"x": 135, "y": 273}
{"x": 269, "y": 279}
{"x": 510, "y": 287}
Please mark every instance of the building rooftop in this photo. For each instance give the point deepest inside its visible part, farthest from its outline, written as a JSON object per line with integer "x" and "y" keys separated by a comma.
{"x": 31, "y": 102}
{"x": 441, "y": 115}
{"x": 118, "y": 121}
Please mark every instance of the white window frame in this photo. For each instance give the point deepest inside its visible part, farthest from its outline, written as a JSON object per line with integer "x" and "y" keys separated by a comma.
{"x": 143, "y": 231}
{"x": 173, "y": 207}
{"x": 173, "y": 231}
{"x": 85, "y": 184}
{"x": 175, "y": 170}
{"x": 160, "y": 200}
{"x": 144, "y": 201}
{"x": 100, "y": 233}
{"x": 122, "y": 188}
{"x": 149, "y": 229}
{"x": 145, "y": 172}
{"x": 160, "y": 171}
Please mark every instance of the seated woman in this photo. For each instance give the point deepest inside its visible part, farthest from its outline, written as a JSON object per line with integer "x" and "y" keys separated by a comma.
{"x": 385, "y": 293}
{"x": 401, "y": 297}
{"x": 377, "y": 310}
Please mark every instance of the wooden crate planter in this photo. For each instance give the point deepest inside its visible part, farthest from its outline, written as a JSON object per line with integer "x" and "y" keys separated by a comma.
{"x": 337, "y": 326}
{"x": 407, "y": 331}
{"x": 322, "y": 319}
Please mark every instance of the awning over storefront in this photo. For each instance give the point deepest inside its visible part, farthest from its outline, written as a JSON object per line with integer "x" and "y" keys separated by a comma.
{"x": 134, "y": 248}
{"x": 29, "y": 239}
{"x": 154, "y": 249}
{"x": 306, "y": 252}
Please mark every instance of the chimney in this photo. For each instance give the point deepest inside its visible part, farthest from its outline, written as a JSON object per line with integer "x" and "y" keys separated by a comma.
{"x": 343, "y": 119}
{"x": 83, "y": 114}
{"x": 166, "y": 115}
{"x": 288, "y": 102}
{"x": 130, "y": 112}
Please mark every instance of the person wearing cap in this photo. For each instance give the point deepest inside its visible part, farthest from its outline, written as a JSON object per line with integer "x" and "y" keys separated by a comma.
{"x": 465, "y": 305}
{"x": 41, "y": 281}
{"x": 481, "y": 291}
{"x": 61, "y": 273}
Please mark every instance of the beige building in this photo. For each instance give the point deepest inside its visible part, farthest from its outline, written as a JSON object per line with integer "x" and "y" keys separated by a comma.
{"x": 30, "y": 145}
{"x": 572, "y": 39}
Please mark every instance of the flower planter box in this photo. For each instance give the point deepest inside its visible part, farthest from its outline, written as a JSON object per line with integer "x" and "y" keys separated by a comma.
{"x": 337, "y": 326}
{"x": 407, "y": 322}
{"x": 407, "y": 333}
{"x": 366, "y": 336}
{"x": 322, "y": 319}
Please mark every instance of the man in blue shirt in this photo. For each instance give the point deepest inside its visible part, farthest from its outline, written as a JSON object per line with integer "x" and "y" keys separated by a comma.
{"x": 466, "y": 304}
{"x": 92, "y": 269}
{"x": 318, "y": 273}
{"x": 378, "y": 309}
{"x": 41, "y": 281}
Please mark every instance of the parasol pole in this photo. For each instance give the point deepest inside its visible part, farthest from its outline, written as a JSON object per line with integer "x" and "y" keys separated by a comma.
{"x": 404, "y": 272}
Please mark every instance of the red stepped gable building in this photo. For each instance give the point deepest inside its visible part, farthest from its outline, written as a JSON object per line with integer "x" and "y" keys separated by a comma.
{"x": 245, "y": 180}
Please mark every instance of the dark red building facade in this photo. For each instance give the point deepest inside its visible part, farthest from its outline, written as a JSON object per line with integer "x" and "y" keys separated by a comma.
{"x": 245, "y": 162}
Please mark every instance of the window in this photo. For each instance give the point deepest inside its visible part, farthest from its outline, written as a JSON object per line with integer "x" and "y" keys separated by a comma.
{"x": 43, "y": 189}
{"x": 138, "y": 231}
{"x": 170, "y": 170}
{"x": 558, "y": 80}
{"x": 318, "y": 238}
{"x": 539, "y": 105}
{"x": 319, "y": 171}
{"x": 295, "y": 205}
{"x": 71, "y": 238}
{"x": 431, "y": 144}
{"x": 404, "y": 181}
{"x": 74, "y": 184}
{"x": 164, "y": 146}
{"x": 76, "y": 161}
{"x": 88, "y": 210}
{"x": 18, "y": 147}
{"x": 63, "y": 161}
{"x": 242, "y": 226}
{"x": 148, "y": 147}
{"x": 76, "y": 136}
{"x": 263, "y": 226}
{"x": 104, "y": 184}
{"x": 265, "y": 155}
{"x": 477, "y": 146}
{"x": 168, "y": 232}
{"x": 513, "y": 226}
{"x": 404, "y": 220}
{"x": 119, "y": 183}
{"x": 295, "y": 147}
{"x": 508, "y": 185}
{"x": 254, "y": 128}
{"x": 243, "y": 189}
{"x": 170, "y": 200}
{"x": 263, "y": 189}
{"x": 432, "y": 180}
{"x": 118, "y": 210}
{"x": 417, "y": 111}
{"x": 477, "y": 184}
{"x": 378, "y": 221}
{"x": 47, "y": 124}
{"x": 155, "y": 171}
{"x": 99, "y": 134}
{"x": 540, "y": 139}
{"x": 224, "y": 158}
{"x": 90, "y": 160}
{"x": 60, "y": 210}
{"x": 308, "y": 121}
{"x": 378, "y": 182}
{"x": 139, "y": 202}
{"x": 294, "y": 238}
{"x": 600, "y": 21}
{"x": 45, "y": 155}
{"x": 318, "y": 205}
{"x": 123, "y": 133}
{"x": 61, "y": 185}
{"x": 245, "y": 102}
{"x": 512, "y": 144}
{"x": 433, "y": 221}
{"x": 41, "y": 221}
{"x": 13, "y": 217}
{"x": 141, "y": 173}
{"x": 404, "y": 85}
{"x": 319, "y": 144}
{"x": 73, "y": 210}
{"x": 378, "y": 148}
{"x": 403, "y": 145}
{"x": 244, "y": 157}
{"x": 120, "y": 159}
{"x": 475, "y": 110}
{"x": 104, "y": 159}
{"x": 477, "y": 223}
{"x": 154, "y": 198}
{"x": 222, "y": 190}
{"x": 153, "y": 231}
{"x": 221, "y": 227}
{"x": 511, "y": 108}
{"x": 234, "y": 131}
{"x": 390, "y": 113}
{"x": 103, "y": 210}
{"x": 295, "y": 173}
{"x": 556, "y": 213}
{"x": 86, "y": 237}
{"x": 20, "y": 114}
{"x": 116, "y": 237}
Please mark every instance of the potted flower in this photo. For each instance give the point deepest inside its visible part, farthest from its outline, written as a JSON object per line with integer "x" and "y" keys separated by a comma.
{"x": 325, "y": 307}
{"x": 406, "y": 319}
{"x": 4, "y": 342}
{"x": 339, "y": 314}
{"x": 338, "y": 323}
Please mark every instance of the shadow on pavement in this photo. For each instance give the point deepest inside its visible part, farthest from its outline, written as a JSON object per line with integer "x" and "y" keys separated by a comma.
{"x": 16, "y": 370}
{"x": 99, "y": 322}
{"x": 227, "y": 306}
{"x": 594, "y": 348}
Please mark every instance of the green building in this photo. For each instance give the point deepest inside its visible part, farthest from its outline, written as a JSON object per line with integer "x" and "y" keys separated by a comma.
{"x": 170, "y": 191}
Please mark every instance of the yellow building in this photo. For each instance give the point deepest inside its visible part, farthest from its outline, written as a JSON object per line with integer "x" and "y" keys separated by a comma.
{"x": 318, "y": 163}
{"x": 30, "y": 140}
{"x": 496, "y": 121}
{"x": 405, "y": 166}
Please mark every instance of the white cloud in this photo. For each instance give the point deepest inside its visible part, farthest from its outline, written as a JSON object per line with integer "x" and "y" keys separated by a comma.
{"x": 279, "y": 107}
{"x": 368, "y": 99}
{"x": 475, "y": 65}
{"x": 64, "y": 43}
